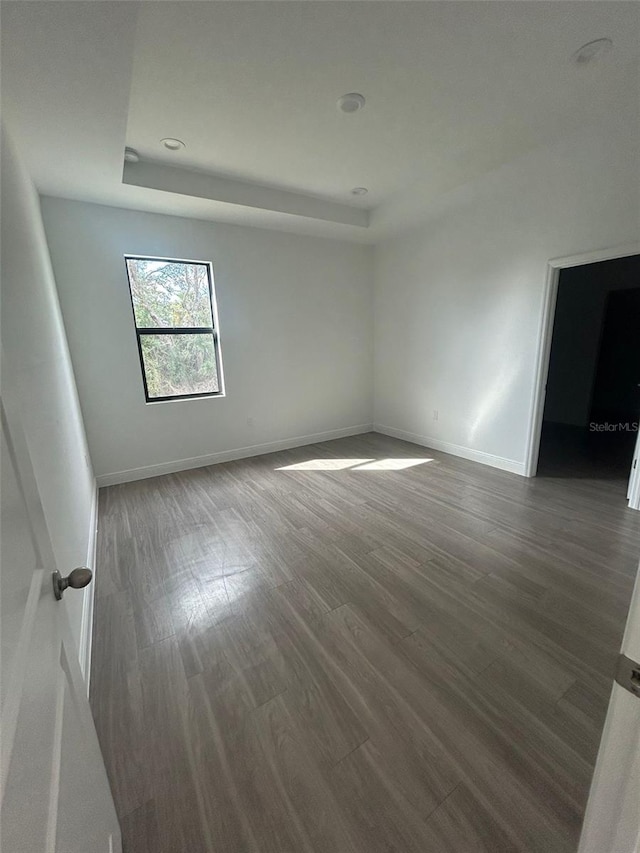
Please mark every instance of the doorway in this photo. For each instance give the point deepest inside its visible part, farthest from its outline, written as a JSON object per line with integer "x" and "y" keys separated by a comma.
{"x": 585, "y": 417}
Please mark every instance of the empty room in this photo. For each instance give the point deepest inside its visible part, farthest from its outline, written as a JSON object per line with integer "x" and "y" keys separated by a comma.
{"x": 320, "y": 449}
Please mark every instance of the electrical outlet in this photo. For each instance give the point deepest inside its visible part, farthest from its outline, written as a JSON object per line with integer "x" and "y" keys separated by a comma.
{"x": 250, "y": 422}
{"x": 435, "y": 414}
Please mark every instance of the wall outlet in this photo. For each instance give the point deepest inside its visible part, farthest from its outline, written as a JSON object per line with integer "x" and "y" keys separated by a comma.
{"x": 250, "y": 422}
{"x": 435, "y": 414}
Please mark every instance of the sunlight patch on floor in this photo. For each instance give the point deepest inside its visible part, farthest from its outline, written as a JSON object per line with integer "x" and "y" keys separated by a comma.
{"x": 391, "y": 464}
{"x": 354, "y": 464}
{"x": 324, "y": 465}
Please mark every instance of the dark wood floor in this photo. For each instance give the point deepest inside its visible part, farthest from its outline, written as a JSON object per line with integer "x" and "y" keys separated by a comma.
{"x": 347, "y": 656}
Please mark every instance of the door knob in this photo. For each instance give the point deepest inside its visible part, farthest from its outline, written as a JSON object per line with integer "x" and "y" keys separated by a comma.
{"x": 77, "y": 579}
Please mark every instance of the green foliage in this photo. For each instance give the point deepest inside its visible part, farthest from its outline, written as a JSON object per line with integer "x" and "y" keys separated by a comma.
{"x": 166, "y": 295}
{"x": 179, "y": 364}
{"x": 169, "y": 294}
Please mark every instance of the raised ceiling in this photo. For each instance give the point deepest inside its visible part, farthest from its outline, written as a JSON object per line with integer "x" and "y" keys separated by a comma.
{"x": 453, "y": 89}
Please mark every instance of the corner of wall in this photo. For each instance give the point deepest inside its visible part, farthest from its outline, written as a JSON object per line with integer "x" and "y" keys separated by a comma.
{"x": 504, "y": 464}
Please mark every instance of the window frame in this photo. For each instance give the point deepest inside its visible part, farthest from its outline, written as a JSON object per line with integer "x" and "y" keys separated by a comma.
{"x": 212, "y": 330}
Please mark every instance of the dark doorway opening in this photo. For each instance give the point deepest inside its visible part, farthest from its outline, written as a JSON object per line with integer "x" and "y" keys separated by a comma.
{"x": 592, "y": 403}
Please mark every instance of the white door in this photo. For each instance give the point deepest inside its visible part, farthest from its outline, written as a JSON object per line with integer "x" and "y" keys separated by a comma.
{"x": 612, "y": 819}
{"x": 633, "y": 492}
{"x": 55, "y": 796}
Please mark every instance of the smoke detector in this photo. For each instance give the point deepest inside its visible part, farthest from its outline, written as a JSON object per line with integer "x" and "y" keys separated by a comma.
{"x": 351, "y": 103}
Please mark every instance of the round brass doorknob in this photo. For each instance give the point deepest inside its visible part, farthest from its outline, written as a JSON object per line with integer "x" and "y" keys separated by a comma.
{"x": 77, "y": 579}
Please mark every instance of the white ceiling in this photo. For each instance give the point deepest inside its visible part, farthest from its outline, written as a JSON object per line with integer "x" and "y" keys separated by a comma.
{"x": 453, "y": 89}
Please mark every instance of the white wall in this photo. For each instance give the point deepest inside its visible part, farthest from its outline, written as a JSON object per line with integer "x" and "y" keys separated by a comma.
{"x": 296, "y": 329}
{"x": 458, "y": 299}
{"x": 37, "y": 359}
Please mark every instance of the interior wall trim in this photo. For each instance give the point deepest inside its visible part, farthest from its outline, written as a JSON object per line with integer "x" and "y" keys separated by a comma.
{"x": 545, "y": 334}
{"x": 144, "y": 472}
{"x": 511, "y": 465}
{"x": 86, "y": 624}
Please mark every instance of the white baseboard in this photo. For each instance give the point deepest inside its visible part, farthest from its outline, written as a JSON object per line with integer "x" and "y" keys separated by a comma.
{"x": 86, "y": 625}
{"x": 227, "y": 455}
{"x": 454, "y": 449}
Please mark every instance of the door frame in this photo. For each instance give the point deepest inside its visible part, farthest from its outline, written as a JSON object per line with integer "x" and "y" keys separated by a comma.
{"x": 633, "y": 492}
{"x": 545, "y": 334}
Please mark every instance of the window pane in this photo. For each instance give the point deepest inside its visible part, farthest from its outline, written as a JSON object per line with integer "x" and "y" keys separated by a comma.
{"x": 169, "y": 293}
{"x": 179, "y": 364}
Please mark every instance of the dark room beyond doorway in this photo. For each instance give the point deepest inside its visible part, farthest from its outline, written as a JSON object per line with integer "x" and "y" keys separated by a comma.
{"x": 592, "y": 404}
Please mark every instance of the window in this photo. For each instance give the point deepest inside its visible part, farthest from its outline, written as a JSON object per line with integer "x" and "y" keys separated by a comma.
{"x": 177, "y": 328}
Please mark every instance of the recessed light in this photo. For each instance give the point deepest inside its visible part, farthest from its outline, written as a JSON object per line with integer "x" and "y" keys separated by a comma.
{"x": 592, "y": 51}
{"x": 359, "y": 191}
{"x": 351, "y": 102}
{"x": 131, "y": 155}
{"x": 172, "y": 144}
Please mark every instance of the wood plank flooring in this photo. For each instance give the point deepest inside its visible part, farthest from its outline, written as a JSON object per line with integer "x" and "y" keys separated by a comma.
{"x": 357, "y": 646}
